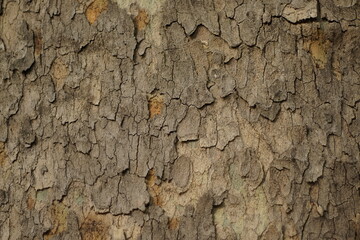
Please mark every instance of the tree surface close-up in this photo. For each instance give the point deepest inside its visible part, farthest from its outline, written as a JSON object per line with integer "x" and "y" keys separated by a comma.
{"x": 179, "y": 119}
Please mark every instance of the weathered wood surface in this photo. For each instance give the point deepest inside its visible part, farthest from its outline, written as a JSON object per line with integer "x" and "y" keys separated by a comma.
{"x": 179, "y": 119}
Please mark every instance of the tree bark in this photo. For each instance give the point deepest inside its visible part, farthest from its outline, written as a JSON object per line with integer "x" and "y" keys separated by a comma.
{"x": 179, "y": 119}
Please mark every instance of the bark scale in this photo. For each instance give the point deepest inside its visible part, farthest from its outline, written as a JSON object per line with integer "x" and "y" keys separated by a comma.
{"x": 179, "y": 119}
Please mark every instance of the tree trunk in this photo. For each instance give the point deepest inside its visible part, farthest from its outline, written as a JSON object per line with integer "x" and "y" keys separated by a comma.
{"x": 179, "y": 119}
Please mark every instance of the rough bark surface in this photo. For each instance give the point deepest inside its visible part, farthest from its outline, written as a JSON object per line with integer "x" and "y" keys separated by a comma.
{"x": 179, "y": 119}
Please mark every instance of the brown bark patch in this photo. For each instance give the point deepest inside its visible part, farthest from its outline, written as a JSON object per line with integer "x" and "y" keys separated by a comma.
{"x": 3, "y": 155}
{"x": 156, "y": 104}
{"x": 141, "y": 20}
{"x": 173, "y": 224}
{"x": 319, "y": 49}
{"x": 153, "y": 188}
{"x": 59, "y": 72}
{"x": 38, "y": 41}
{"x": 59, "y": 213}
{"x": 271, "y": 233}
{"x": 298, "y": 134}
{"x": 30, "y": 203}
{"x": 95, "y": 227}
{"x": 355, "y": 222}
{"x": 95, "y": 9}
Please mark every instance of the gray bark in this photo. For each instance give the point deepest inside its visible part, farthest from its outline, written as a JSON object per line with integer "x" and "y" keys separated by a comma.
{"x": 179, "y": 119}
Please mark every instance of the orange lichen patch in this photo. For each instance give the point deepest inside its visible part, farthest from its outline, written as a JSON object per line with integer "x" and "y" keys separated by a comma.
{"x": 59, "y": 213}
{"x": 59, "y": 71}
{"x": 95, "y": 9}
{"x": 95, "y": 227}
{"x": 173, "y": 223}
{"x": 141, "y": 20}
{"x": 3, "y": 155}
{"x": 153, "y": 188}
{"x": 156, "y": 104}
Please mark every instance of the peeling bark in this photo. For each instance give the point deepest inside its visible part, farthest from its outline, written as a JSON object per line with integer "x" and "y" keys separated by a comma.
{"x": 179, "y": 119}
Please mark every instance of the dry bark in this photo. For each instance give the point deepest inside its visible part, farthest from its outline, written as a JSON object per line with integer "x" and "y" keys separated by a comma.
{"x": 179, "y": 119}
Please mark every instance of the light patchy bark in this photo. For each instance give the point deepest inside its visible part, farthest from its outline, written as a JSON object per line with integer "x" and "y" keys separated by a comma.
{"x": 181, "y": 119}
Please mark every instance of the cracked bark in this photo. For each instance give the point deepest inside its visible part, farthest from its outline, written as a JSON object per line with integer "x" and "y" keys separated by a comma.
{"x": 203, "y": 119}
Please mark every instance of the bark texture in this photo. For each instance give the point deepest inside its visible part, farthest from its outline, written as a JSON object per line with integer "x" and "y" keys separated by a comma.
{"x": 179, "y": 119}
